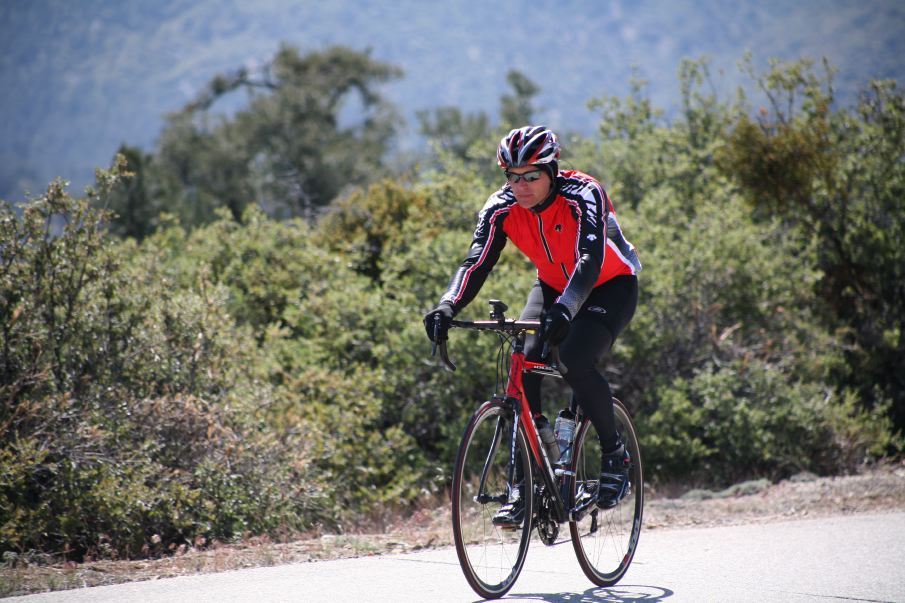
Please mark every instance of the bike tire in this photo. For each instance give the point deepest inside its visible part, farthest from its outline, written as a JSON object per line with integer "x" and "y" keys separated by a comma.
{"x": 605, "y": 540}
{"x": 491, "y": 557}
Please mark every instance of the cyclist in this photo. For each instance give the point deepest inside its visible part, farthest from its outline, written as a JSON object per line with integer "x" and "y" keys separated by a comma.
{"x": 586, "y": 289}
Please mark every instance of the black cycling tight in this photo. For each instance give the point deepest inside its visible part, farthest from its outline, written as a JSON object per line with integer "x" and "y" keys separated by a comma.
{"x": 604, "y": 315}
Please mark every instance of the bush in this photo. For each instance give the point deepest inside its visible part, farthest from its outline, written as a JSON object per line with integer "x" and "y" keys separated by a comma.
{"x": 731, "y": 308}
{"x": 129, "y": 407}
{"x": 750, "y": 420}
{"x": 263, "y": 376}
{"x": 319, "y": 329}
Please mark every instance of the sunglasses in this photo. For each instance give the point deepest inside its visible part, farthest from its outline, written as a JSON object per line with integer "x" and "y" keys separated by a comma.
{"x": 531, "y": 176}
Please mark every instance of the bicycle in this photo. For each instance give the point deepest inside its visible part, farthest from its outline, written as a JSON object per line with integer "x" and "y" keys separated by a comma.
{"x": 501, "y": 444}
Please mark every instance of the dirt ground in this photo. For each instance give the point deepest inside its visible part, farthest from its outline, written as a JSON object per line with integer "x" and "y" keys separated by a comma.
{"x": 875, "y": 490}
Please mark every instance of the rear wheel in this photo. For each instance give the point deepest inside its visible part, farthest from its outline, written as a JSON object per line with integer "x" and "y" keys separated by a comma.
{"x": 491, "y": 557}
{"x": 605, "y": 539}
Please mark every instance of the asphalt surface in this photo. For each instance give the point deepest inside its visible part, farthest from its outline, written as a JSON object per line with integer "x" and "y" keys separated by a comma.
{"x": 857, "y": 558}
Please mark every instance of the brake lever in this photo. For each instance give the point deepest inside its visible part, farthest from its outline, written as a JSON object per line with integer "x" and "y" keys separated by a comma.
{"x": 441, "y": 345}
{"x": 436, "y": 335}
{"x": 445, "y": 357}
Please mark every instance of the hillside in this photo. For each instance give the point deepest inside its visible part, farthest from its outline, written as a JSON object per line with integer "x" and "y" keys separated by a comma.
{"x": 78, "y": 79}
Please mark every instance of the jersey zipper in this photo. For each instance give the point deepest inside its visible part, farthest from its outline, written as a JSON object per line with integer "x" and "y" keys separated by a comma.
{"x": 543, "y": 239}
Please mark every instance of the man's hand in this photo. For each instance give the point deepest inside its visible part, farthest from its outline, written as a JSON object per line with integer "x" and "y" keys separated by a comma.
{"x": 556, "y": 325}
{"x": 438, "y": 320}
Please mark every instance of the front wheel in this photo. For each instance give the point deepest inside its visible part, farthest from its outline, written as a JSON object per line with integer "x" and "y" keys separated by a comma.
{"x": 491, "y": 557}
{"x": 605, "y": 539}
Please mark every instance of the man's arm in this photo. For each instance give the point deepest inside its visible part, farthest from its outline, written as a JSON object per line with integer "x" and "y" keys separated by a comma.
{"x": 486, "y": 246}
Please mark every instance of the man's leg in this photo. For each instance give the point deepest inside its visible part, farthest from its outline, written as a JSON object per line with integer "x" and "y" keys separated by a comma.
{"x": 607, "y": 311}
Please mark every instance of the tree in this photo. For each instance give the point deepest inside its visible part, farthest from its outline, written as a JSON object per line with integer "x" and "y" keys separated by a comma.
{"x": 471, "y": 137}
{"x": 839, "y": 177}
{"x": 130, "y": 404}
{"x": 134, "y": 213}
{"x": 314, "y": 125}
{"x": 517, "y": 109}
{"x": 728, "y": 362}
{"x": 453, "y": 131}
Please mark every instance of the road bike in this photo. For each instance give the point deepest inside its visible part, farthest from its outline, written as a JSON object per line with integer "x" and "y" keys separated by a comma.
{"x": 501, "y": 450}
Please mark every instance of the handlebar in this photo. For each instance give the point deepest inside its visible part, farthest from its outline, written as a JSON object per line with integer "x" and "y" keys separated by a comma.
{"x": 513, "y": 327}
{"x": 500, "y": 324}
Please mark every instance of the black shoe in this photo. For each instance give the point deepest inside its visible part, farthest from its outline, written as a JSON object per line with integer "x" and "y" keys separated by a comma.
{"x": 613, "y": 487}
{"x": 512, "y": 513}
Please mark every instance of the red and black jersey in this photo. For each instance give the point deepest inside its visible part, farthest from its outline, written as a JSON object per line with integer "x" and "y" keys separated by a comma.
{"x": 574, "y": 240}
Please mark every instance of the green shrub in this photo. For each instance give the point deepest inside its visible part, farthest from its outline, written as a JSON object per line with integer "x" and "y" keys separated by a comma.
{"x": 749, "y": 420}
{"x": 130, "y": 407}
{"x": 258, "y": 376}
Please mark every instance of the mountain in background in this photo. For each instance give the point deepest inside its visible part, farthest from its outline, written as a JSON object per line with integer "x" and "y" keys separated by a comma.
{"x": 77, "y": 79}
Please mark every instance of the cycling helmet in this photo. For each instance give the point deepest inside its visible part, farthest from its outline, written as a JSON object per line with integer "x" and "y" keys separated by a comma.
{"x": 530, "y": 145}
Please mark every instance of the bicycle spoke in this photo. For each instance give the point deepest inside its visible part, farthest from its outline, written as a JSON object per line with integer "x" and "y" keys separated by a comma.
{"x": 605, "y": 539}
{"x": 491, "y": 557}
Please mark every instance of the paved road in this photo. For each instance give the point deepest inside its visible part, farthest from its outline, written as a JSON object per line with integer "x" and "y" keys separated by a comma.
{"x": 852, "y": 559}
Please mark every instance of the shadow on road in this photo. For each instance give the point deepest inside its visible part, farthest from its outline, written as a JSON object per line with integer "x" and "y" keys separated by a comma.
{"x": 624, "y": 593}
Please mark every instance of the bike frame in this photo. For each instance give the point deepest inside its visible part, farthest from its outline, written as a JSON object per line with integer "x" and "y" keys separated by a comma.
{"x": 515, "y": 395}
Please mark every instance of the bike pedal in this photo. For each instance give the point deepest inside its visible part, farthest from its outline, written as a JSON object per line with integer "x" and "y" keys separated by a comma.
{"x": 508, "y": 527}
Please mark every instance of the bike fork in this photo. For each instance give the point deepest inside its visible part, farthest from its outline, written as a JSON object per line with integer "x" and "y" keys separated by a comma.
{"x": 513, "y": 452}
{"x": 481, "y": 497}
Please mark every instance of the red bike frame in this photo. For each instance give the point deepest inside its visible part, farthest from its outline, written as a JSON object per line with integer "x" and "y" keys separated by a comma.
{"x": 514, "y": 389}
{"x": 515, "y": 392}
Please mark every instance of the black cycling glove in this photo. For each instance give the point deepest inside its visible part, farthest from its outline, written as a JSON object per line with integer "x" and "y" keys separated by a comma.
{"x": 438, "y": 319}
{"x": 556, "y": 325}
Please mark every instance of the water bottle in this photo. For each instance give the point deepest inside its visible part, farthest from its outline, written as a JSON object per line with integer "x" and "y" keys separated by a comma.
{"x": 564, "y": 432}
{"x": 545, "y": 430}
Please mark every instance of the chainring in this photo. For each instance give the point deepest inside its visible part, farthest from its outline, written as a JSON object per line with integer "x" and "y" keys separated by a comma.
{"x": 547, "y": 527}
